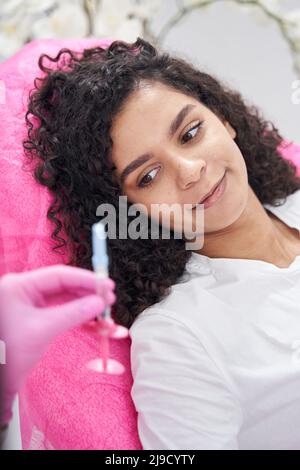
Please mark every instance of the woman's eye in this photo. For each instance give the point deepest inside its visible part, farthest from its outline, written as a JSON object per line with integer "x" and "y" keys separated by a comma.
{"x": 193, "y": 129}
{"x": 143, "y": 182}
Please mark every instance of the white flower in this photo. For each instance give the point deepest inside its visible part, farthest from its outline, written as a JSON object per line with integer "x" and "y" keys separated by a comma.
{"x": 118, "y": 9}
{"x": 37, "y": 6}
{"x": 146, "y": 9}
{"x": 125, "y": 30}
{"x": 14, "y": 32}
{"x": 10, "y": 44}
{"x": 292, "y": 27}
{"x": 272, "y": 6}
{"x": 21, "y": 21}
{"x": 10, "y": 8}
{"x": 19, "y": 8}
{"x": 115, "y": 19}
{"x": 67, "y": 20}
{"x": 129, "y": 30}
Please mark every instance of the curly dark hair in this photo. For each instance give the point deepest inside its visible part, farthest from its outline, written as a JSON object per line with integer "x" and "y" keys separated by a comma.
{"x": 69, "y": 141}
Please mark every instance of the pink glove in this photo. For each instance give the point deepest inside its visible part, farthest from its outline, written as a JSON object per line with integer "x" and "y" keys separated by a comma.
{"x": 28, "y": 322}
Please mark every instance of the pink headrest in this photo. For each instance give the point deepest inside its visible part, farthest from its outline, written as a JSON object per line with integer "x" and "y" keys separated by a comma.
{"x": 291, "y": 151}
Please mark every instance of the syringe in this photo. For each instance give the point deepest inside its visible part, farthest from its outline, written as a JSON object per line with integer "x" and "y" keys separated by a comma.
{"x": 105, "y": 323}
{"x": 100, "y": 258}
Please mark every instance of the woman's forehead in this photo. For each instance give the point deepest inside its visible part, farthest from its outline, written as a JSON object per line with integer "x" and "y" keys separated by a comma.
{"x": 154, "y": 105}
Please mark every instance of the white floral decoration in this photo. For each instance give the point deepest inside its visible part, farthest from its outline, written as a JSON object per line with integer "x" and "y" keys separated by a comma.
{"x": 24, "y": 20}
{"x": 292, "y": 27}
{"x": 66, "y": 20}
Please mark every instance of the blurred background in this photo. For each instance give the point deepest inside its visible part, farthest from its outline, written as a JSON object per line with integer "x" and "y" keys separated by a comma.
{"x": 252, "y": 45}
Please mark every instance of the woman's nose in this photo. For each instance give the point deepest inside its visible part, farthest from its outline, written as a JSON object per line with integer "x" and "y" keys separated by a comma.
{"x": 189, "y": 172}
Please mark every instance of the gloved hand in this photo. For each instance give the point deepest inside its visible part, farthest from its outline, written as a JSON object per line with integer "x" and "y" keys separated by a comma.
{"x": 28, "y": 322}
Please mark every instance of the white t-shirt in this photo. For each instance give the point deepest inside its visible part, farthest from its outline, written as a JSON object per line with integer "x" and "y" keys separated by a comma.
{"x": 216, "y": 364}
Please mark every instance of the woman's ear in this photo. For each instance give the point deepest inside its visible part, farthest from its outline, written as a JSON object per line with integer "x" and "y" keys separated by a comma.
{"x": 228, "y": 126}
{"x": 230, "y": 129}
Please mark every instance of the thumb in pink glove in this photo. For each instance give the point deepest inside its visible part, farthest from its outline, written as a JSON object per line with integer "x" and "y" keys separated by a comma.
{"x": 30, "y": 320}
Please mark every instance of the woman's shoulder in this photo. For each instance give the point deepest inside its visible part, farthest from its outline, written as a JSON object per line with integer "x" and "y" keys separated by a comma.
{"x": 177, "y": 305}
{"x": 190, "y": 308}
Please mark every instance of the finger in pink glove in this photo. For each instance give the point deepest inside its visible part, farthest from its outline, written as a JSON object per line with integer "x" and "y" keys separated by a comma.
{"x": 30, "y": 317}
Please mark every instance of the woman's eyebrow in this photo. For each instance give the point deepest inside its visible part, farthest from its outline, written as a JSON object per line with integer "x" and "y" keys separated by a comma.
{"x": 175, "y": 124}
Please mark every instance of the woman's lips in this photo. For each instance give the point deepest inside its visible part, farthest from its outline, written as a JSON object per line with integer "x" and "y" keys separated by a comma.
{"x": 216, "y": 194}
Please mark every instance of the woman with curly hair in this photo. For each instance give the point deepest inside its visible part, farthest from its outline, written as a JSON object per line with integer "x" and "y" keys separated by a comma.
{"x": 213, "y": 329}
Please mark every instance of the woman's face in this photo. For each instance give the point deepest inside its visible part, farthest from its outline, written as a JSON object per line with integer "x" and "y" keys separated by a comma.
{"x": 186, "y": 149}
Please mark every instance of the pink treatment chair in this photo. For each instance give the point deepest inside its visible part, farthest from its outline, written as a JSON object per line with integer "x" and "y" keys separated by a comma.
{"x": 63, "y": 405}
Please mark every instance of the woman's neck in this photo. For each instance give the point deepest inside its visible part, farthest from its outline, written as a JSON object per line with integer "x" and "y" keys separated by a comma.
{"x": 256, "y": 234}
